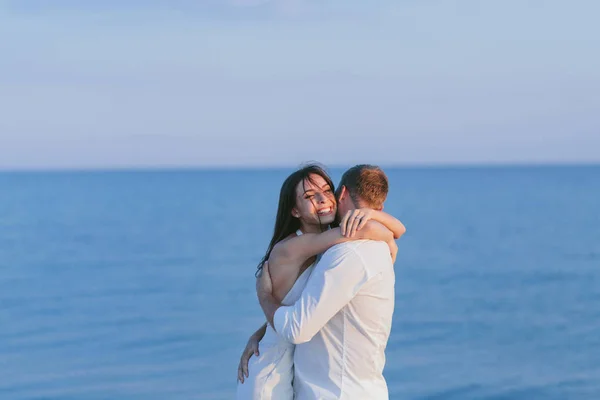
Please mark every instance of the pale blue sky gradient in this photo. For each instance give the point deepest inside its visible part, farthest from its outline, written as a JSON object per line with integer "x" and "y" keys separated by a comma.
{"x": 117, "y": 83}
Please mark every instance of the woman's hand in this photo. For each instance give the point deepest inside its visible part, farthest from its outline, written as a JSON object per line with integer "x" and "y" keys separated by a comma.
{"x": 251, "y": 349}
{"x": 354, "y": 220}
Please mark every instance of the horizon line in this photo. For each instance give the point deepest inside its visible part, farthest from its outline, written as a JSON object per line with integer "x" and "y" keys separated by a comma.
{"x": 174, "y": 168}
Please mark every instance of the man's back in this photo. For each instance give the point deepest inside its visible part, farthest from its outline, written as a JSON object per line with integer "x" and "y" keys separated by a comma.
{"x": 345, "y": 358}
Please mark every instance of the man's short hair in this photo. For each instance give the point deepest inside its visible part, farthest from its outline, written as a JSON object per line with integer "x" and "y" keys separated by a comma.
{"x": 365, "y": 184}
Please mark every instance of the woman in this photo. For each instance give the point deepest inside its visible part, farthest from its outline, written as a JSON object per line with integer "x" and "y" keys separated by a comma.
{"x": 307, "y": 208}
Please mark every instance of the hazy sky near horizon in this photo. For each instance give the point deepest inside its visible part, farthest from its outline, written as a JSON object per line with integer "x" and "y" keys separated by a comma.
{"x": 117, "y": 83}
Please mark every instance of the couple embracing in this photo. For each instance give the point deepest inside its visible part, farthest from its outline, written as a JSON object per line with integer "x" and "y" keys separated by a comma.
{"x": 326, "y": 287}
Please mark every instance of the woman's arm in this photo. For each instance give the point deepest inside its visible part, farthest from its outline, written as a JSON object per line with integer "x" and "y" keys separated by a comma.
{"x": 355, "y": 220}
{"x": 260, "y": 332}
{"x": 288, "y": 256}
{"x": 250, "y": 350}
{"x": 301, "y": 248}
{"x": 389, "y": 221}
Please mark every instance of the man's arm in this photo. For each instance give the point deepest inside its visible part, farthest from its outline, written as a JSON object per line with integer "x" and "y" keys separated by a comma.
{"x": 335, "y": 281}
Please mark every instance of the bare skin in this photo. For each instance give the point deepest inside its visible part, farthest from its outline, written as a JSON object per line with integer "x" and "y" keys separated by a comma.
{"x": 287, "y": 264}
{"x": 293, "y": 255}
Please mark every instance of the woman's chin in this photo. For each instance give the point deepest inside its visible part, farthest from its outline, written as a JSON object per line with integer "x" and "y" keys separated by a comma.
{"x": 327, "y": 219}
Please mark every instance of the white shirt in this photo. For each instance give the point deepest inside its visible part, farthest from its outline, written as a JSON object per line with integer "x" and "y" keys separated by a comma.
{"x": 341, "y": 324}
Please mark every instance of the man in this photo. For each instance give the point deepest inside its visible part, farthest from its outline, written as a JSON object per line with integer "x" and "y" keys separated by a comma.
{"x": 342, "y": 322}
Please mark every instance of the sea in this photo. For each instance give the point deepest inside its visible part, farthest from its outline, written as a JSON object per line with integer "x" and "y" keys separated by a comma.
{"x": 139, "y": 284}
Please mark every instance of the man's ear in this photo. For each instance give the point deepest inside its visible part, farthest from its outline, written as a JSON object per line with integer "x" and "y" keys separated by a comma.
{"x": 343, "y": 193}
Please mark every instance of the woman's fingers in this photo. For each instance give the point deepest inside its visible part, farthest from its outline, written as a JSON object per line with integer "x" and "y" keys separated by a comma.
{"x": 240, "y": 374}
{"x": 245, "y": 364}
{"x": 251, "y": 348}
{"x": 349, "y": 220}
{"x": 363, "y": 220}
{"x": 343, "y": 223}
{"x": 354, "y": 220}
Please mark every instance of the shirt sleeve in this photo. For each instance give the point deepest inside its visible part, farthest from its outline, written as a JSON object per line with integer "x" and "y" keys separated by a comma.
{"x": 336, "y": 279}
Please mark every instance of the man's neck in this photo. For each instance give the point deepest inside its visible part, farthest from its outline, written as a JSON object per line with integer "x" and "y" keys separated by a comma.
{"x": 351, "y": 205}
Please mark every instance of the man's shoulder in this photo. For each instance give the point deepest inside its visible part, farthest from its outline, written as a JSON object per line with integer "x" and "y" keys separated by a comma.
{"x": 374, "y": 255}
{"x": 341, "y": 248}
{"x": 340, "y": 254}
{"x": 362, "y": 251}
{"x": 357, "y": 246}
{"x": 370, "y": 246}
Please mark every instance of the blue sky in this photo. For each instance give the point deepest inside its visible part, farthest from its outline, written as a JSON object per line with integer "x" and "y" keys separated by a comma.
{"x": 88, "y": 84}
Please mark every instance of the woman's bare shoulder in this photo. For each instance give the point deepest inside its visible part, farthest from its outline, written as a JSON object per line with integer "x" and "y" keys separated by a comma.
{"x": 279, "y": 250}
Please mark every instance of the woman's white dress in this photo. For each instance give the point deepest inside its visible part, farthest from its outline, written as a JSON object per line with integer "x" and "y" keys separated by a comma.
{"x": 272, "y": 372}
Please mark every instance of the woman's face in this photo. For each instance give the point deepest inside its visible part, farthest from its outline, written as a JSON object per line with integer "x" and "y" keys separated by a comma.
{"x": 315, "y": 202}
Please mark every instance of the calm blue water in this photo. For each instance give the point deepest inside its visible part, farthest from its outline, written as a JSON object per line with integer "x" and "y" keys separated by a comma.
{"x": 139, "y": 285}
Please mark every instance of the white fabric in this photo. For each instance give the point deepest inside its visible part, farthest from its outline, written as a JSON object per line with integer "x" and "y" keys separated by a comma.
{"x": 341, "y": 324}
{"x": 270, "y": 375}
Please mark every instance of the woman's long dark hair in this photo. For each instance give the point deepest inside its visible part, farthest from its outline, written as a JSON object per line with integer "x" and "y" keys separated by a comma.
{"x": 285, "y": 223}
